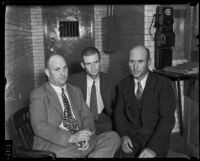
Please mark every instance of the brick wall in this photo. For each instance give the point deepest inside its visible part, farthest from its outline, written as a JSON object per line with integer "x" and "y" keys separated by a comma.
{"x": 38, "y": 45}
{"x": 100, "y": 11}
{"x": 150, "y": 10}
{"x": 18, "y": 61}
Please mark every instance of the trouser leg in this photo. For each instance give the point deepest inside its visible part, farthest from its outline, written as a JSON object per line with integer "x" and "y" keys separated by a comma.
{"x": 106, "y": 145}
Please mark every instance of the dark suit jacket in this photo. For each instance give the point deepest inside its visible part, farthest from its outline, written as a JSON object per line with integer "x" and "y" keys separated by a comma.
{"x": 103, "y": 123}
{"x": 46, "y": 115}
{"x": 148, "y": 123}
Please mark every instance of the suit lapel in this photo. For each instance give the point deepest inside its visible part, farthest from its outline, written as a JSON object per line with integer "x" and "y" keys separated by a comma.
{"x": 54, "y": 100}
{"x": 103, "y": 87}
{"x": 131, "y": 98}
{"x": 84, "y": 85}
{"x": 131, "y": 91}
{"x": 150, "y": 83}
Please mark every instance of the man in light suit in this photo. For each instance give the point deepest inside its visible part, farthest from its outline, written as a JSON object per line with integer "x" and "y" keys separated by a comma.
{"x": 144, "y": 113}
{"x": 105, "y": 91}
{"x": 47, "y": 112}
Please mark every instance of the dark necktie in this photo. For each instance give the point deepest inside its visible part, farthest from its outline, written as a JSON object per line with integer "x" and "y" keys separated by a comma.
{"x": 68, "y": 120}
{"x": 93, "y": 101}
{"x": 139, "y": 91}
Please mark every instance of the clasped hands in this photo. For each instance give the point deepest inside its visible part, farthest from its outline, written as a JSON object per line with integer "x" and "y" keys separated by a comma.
{"x": 81, "y": 139}
{"x": 127, "y": 147}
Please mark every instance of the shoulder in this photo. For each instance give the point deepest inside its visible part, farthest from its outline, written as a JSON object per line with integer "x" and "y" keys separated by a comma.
{"x": 159, "y": 79}
{"x": 73, "y": 88}
{"x": 106, "y": 78}
{"x": 39, "y": 91}
{"x": 75, "y": 77}
{"x": 159, "y": 82}
{"x": 126, "y": 81}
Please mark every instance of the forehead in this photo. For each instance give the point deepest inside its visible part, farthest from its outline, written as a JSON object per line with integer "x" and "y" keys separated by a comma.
{"x": 91, "y": 58}
{"x": 56, "y": 61}
{"x": 138, "y": 54}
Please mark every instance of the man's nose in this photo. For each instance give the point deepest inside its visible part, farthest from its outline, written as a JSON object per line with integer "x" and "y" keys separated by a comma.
{"x": 135, "y": 66}
{"x": 93, "y": 66}
{"x": 63, "y": 72}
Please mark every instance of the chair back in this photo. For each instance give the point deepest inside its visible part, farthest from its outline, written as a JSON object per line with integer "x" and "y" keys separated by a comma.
{"x": 21, "y": 120}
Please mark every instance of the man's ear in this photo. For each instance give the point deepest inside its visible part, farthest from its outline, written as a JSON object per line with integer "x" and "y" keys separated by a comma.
{"x": 46, "y": 72}
{"x": 149, "y": 62}
{"x": 82, "y": 65}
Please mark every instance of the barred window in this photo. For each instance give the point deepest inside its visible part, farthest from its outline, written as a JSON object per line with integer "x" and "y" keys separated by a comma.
{"x": 69, "y": 28}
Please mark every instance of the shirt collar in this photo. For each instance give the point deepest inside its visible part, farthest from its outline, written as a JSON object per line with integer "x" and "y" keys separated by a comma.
{"x": 58, "y": 88}
{"x": 91, "y": 80}
{"x": 143, "y": 81}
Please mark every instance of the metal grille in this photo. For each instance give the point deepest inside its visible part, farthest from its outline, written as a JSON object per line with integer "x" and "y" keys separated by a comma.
{"x": 69, "y": 28}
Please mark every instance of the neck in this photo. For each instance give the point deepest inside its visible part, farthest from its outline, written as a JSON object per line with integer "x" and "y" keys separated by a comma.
{"x": 61, "y": 86}
{"x": 141, "y": 78}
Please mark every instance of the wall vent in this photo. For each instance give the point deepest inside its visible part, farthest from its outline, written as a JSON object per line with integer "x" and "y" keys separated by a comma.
{"x": 69, "y": 28}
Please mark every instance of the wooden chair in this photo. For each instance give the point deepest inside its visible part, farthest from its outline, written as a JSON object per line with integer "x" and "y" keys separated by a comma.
{"x": 21, "y": 120}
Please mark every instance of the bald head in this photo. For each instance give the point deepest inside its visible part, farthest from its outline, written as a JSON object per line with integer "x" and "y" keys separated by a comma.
{"x": 54, "y": 55}
{"x": 142, "y": 49}
{"x": 139, "y": 61}
{"x": 56, "y": 70}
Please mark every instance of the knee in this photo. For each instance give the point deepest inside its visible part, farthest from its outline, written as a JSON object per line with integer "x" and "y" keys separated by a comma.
{"x": 114, "y": 137}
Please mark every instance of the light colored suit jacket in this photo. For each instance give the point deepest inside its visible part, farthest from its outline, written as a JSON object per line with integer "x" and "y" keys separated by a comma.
{"x": 46, "y": 115}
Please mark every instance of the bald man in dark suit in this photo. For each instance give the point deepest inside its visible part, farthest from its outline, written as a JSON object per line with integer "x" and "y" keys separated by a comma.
{"x": 144, "y": 114}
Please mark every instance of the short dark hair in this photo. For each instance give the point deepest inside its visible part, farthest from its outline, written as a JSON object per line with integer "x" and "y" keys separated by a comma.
{"x": 49, "y": 57}
{"x": 89, "y": 51}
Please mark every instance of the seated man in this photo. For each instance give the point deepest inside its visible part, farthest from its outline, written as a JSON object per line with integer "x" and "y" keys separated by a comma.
{"x": 144, "y": 115}
{"x": 61, "y": 120}
{"x": 93, "y": 80}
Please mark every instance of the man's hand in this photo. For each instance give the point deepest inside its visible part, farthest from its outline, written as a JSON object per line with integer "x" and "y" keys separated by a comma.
{"x": 147, "y": 153}
{"x": 91, "y": 132}
{"x": 83, "y": 145}
{"x": 79, "y": 136}
{"x": 127, "y": 145}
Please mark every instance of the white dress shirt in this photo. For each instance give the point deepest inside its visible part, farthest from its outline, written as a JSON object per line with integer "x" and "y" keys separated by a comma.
{"x": 143, "y": 83}
{"x": 58, "y": 91}
{"x": 100, "y": 105}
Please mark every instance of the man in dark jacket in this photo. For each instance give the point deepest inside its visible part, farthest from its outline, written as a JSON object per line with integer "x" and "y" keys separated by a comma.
{"x": 144, "y": 114}
{"x": 104, "y": 89}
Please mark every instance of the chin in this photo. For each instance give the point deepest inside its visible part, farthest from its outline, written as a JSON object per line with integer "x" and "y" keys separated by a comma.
{"x": 93, "y": 75}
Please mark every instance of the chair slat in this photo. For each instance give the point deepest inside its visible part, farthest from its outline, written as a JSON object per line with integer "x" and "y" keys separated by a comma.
{"x": 22, "y": 124}
{"x": 23, "y": 138}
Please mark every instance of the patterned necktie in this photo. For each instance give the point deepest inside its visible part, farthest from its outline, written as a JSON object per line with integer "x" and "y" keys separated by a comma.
{"x": 139, "y": 91}
{"x": 68, "y": 120}
{"x": 93, "y": 101}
